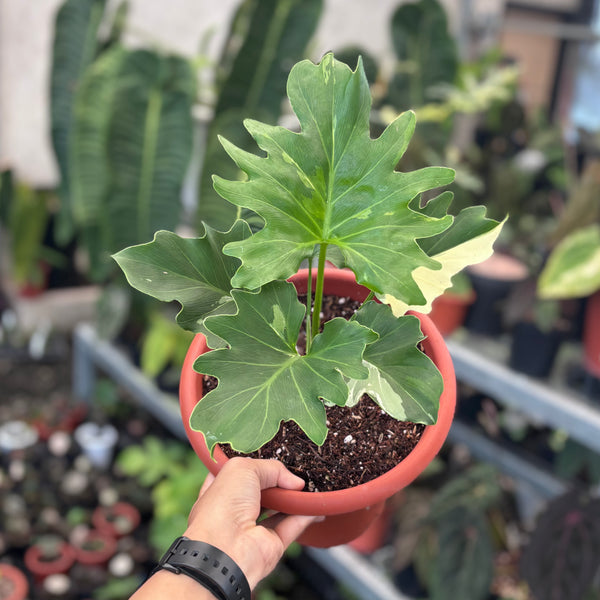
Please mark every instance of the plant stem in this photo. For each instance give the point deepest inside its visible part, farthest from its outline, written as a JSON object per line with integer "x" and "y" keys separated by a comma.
{"x": 308, "y": 326}
{"x": 316, "y": 318}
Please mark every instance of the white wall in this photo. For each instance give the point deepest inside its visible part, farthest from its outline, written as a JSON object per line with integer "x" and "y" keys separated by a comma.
{"x": 178, "y": 25}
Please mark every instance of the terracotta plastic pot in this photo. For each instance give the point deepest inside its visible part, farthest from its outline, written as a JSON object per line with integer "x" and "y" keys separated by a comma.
{"x": 348, "y": 512}
{"x": 448, "y": 311}
{"x": 591, "y": 335}
{"x": 117, "y": 520}
{"x": 42, "y": 568}
{"x": 13, "y": 583}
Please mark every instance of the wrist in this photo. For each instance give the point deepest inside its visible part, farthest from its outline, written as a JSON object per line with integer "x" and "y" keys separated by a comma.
{"x": 207, "y": 565}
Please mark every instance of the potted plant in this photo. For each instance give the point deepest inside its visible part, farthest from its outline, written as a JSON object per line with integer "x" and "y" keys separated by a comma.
{"x": 573, "y": 266}
{"x": 538, "y": 328}
{"x": 116, "y": 520}
{"x": 49, "y": 555}
{"x": 93, "y": 547}
{"x": 328, "y": 193}
{"x": 13, "y": 583}
{"x": 573, "y": 271}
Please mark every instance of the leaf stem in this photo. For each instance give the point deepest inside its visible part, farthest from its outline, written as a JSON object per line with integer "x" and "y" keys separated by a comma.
{"x": 316, "y": 317}
{"x": 309, "y": 306}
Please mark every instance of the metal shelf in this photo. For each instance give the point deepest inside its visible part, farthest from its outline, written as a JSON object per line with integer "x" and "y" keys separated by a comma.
{"x": 476, "y": 362}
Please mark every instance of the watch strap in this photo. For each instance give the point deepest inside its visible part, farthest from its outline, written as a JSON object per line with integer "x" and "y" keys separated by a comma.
{"x": 208, "y": 565}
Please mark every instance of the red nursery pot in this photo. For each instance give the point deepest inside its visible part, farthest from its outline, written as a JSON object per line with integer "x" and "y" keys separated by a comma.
{"x": 96, "y": 548}
{"x": 42, "y": 568}
{"x": 13, "y": 583}
{"x": 117, "y": 520}
{"x": 591, "y": 335}
{"x": 350, "y": 511}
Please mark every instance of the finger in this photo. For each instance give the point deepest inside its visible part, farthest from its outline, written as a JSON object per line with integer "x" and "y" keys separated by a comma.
{"x": 272, "y": 473}
{"x": 289, "y": 528}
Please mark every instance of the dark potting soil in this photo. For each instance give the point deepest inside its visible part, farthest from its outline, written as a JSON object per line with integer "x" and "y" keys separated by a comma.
{"x": 363, "y": 442}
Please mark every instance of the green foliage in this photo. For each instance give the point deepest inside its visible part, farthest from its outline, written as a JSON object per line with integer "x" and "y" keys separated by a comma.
{"x": 573, "y": 268}
{"x": 330, "y": 191}
{"x": 426, "y": 52}
{"x": 122, "y": 134}
{"x": 560, "y": 560}
{"x": 266, "y": 37}
{"x": 151, "y": 461}
{"x": 164, "y": 344}
{"x": 149, "y": 145}
{"x": 27, "y": 220}
{"x": 6, "y": 194}
{"x": 74, "y": 49}
{"x": 117, "y": 589}
{"x": 455, "y": 553}
{"x": 278, "y": 381}
{"x": 174, "y": 474}
{"x": 401, "y": 378}
{"x": 332, "y": 185}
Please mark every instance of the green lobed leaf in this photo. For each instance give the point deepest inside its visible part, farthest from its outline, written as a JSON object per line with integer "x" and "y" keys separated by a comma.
{"x": 402, "y": 379}
{"x": 279, "y": 383}
{"x": 333, "y": 185}
{"x": 192, "y": 271}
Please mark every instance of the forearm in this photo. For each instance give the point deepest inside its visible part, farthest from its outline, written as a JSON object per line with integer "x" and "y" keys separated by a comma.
{"x": 168, "y": 585}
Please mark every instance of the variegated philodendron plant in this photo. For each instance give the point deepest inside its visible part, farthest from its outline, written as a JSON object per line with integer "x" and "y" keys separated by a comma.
{"x": 329, "y": 192}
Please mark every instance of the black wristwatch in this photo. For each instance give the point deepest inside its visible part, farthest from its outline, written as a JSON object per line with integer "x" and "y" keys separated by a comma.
{"x": 208, "y": 565}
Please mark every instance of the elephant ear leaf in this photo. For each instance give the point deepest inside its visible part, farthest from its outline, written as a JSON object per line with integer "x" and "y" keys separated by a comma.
{"x": 332, "y": 185}
{"x": 467, "y": 241}
{"x": 192, "y": 271}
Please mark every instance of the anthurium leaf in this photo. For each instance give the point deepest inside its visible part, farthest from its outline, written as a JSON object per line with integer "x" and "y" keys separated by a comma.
{"x": 573, "y": 268}
{"x": 192, "y": 271}
{"x": 332, "y": 185}
{"x": 402, "y": 379}
{"x": 467, "y": 241}
{"x": 278, "y": 383}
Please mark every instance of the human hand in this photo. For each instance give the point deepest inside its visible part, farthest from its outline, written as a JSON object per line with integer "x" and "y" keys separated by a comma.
{"x": 228, "y": 506}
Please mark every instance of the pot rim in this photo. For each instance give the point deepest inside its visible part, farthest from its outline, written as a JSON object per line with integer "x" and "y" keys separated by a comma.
{"x": 364, "y": 494}
{"x": 21, "y": 585}
{"x": 64, "y": 561}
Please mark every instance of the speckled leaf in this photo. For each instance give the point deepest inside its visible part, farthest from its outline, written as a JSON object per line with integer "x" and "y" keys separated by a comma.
{"x": 193, "y": 271}
{"x": 402, "y": 379}
{"x": 333, "y": 185}
{"x": 278, "y": 383}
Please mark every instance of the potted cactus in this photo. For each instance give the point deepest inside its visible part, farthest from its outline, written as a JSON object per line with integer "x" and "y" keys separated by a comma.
{"x": 328, "y": 195}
